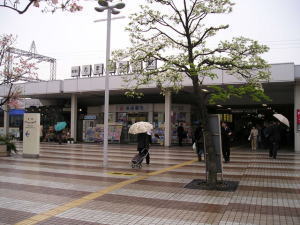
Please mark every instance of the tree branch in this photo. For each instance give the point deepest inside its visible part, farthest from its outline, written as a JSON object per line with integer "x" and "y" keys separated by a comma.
{"x": 15, "y": 9}
{"x": 207, "y": 31}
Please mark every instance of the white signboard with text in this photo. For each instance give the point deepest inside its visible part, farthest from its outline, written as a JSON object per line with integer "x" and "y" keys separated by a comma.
{"x": 151, "y": 64}
{"x": 75, "y": 71}
{"x": 98, "y": 69}
{"x": 31, "y": 135}
{"x": 86, "y": 70}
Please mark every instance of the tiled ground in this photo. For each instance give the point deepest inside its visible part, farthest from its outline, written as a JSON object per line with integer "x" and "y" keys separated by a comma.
{"x": 68, "y": 185}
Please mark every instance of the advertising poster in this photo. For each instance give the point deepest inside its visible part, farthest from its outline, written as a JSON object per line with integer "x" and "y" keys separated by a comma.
{"x": 96, "y": 134}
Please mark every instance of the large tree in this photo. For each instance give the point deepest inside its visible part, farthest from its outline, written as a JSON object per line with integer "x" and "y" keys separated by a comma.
{"x": 52, "y": 6}
{"x": 46, "y": 5}
{"x": 177, "y": 34}
{"x": 13, "y": 70}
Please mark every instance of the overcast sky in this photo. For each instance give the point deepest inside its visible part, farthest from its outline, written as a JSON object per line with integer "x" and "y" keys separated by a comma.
{"x": 75, "y": 40}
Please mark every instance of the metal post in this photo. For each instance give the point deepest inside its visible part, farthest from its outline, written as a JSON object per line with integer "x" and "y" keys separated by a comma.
{"x": 106, "y": 98}
{"x": 6, "y": 119}
{"x": 74, "y": 117}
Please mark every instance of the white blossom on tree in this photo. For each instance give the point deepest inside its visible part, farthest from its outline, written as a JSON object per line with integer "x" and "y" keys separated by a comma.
{"x": 178, "y": 35}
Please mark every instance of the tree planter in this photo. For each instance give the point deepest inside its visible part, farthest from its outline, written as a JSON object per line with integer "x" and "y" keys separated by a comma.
{"x": 3, "y": 150}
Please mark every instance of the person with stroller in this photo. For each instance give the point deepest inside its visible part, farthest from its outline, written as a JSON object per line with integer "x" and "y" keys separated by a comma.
{"x": 143, "y": 143}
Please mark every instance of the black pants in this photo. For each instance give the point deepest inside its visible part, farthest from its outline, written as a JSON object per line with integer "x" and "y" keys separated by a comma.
{"x": 226, "y": 152}
{"x": 59, "y": 137}
{"x": 273, "y": 148}
{"x": 144, "y": 152}
{"x": 180, "y": 140}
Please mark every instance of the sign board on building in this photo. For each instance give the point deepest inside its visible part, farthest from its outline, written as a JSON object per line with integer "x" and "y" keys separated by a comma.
{"x": 75, "y": 71}
{"x": 132, "y": 108}
{"x": 98, "y": 69}
{"x": 298, "y": 119}
{"x": 151, "y": 64}
{"x": 86, "y": 70}
{"x": 136, "y": 67}
{"x": 90, "y": 117}
{"x": 123, "y": 67}
{"x": 112, "y": 66}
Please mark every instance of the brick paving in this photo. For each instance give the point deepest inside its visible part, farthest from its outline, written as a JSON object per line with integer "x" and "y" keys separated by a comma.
{"x": 268, "y": 191}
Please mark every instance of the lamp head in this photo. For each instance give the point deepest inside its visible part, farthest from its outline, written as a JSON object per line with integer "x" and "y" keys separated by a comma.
{"x": 119, "y": 5}
{"x": 115, "y": 12}
{"x": 103, "y": 3}
{"x": 100, "y": 9}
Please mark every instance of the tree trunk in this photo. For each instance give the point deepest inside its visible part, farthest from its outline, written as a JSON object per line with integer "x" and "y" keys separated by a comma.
{"x": 211, "y": 160}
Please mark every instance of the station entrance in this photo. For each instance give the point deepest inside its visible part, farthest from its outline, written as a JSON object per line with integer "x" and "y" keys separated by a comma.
{"x": 242, "y": 118}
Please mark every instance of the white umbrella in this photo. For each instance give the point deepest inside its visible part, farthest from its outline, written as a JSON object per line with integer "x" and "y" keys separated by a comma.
{"x": 140, "y": 127}
{"x": 282, "y": 119}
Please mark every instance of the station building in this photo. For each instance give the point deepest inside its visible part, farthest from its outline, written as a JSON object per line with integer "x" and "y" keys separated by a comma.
{"x": 80, "y": 102}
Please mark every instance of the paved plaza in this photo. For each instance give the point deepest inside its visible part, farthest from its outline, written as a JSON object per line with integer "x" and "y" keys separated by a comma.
{"x": 68, "y": 185}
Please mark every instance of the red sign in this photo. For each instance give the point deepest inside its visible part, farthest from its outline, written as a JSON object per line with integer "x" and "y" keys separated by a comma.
{"x": 298, "y": 116}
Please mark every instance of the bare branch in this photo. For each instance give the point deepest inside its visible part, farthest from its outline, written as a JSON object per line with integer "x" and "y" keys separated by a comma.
{"x": 206, "y": 32}
{"x": 14, "y": 7}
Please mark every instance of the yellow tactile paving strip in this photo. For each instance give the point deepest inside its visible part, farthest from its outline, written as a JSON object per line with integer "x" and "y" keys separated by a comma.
{"x": 122, "y": 173}
{"x": 53, "y": 212}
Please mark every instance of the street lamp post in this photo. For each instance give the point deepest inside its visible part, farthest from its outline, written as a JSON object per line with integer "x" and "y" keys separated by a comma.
{"x": 111, "y": 9}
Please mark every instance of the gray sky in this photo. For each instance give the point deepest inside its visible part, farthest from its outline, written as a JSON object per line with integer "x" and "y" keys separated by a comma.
{"x": 75, "y": 40}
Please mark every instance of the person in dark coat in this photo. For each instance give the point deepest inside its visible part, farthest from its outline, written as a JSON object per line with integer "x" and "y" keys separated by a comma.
{"x": 225, "y": 134}
{"x": 180, "y": 134}
{"x": 143, "y": 143}
{"x": 59, "y": 136}
{"x": 21, "y": 131}
{"x": 199, "y": 140}
{"x": 274, "y": 139}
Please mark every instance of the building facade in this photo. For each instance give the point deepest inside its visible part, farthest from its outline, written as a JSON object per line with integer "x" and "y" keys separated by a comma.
{"x": 81, "y": 102}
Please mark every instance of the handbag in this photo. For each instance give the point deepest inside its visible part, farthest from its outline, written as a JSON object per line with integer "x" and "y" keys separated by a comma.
{"x": 249, "y": 138}
{"x": 194, "y": 147}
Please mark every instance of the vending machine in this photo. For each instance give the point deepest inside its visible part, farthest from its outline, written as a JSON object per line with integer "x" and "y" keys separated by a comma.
{"x": 88, "y": 124}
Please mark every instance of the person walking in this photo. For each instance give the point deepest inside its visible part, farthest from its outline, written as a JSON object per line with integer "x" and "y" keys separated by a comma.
{"x": 199, "y": 140}
{"x": 225, "y": 134}
{"x": 143, "y": 143}
{"x": 274, "y": 139}
{"x": 180, "y": 133}
{"x": 59, "y": 136}
{"x": 253, "y": 138}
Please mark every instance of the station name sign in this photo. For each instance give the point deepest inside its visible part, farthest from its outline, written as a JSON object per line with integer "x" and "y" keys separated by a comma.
{"x": 114, "y": 68}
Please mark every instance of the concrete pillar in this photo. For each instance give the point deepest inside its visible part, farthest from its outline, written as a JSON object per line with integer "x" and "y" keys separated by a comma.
{"x": 6, "y": 120}
{"x": 150, "y": 113}
{"x": 297, "y": 107}
{"x": 74, "y": 116}
{"x": 168, "y": 102}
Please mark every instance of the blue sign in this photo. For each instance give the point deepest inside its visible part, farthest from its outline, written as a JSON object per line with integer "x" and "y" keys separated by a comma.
{"x": 16, "y": 112}
{"x": 90, "y": 117}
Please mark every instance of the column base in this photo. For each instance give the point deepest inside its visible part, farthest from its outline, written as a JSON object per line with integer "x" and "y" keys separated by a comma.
{"x": 31, "y": 156}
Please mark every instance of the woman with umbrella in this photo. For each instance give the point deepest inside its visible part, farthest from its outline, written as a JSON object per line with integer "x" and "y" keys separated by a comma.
{"x": 144, "y": 140}
{"x": 143, "y": 131}
{"x": 59, "y": 127}
{"x": 274, "y": 134}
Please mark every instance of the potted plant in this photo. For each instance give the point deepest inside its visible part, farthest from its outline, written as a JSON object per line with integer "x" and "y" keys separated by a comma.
{"x": 7, "y": 146}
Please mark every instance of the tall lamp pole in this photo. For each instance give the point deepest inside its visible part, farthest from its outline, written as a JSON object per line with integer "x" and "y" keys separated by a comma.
{"x": 111, "y": 9}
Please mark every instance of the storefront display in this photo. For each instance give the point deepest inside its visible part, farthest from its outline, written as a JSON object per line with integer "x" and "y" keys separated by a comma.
{"x": 127, "y": 114}
{"x": 96, "y": 134}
